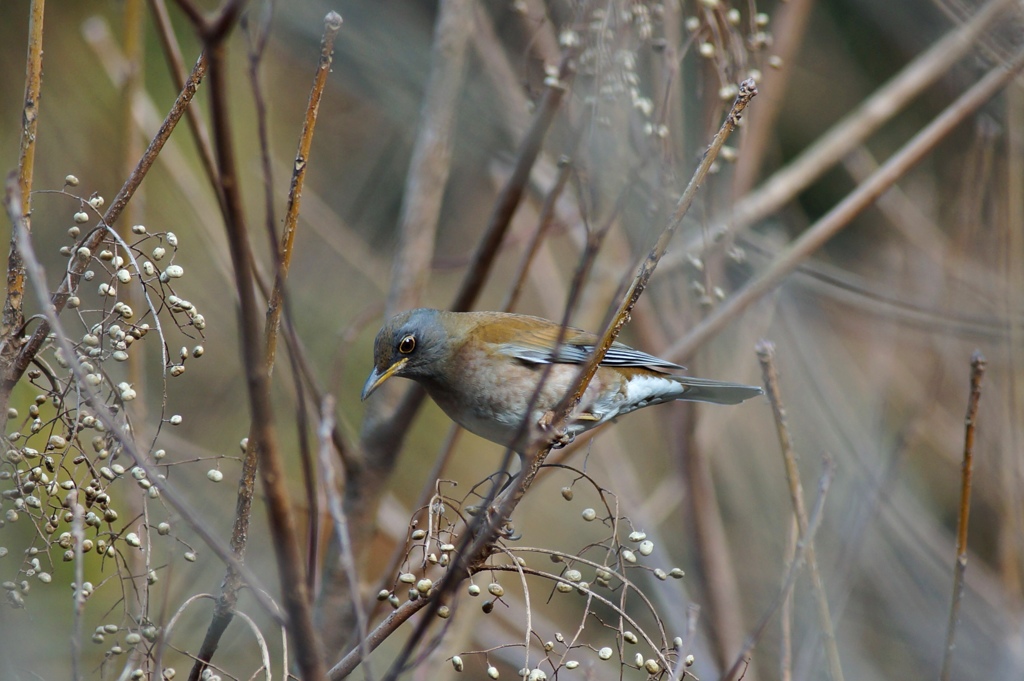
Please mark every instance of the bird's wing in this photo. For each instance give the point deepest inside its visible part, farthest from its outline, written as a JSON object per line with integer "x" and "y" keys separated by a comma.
{"x": 534, "y": 341}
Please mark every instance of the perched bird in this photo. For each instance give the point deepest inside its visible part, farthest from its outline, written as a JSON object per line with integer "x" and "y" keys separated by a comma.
{"x": 482, "y": 368}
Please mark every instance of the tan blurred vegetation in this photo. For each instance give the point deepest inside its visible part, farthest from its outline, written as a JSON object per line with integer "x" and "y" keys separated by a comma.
{"x": 874, "y": 331}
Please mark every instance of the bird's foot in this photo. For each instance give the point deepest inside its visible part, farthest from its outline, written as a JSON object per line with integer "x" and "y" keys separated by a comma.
{"x": 560, "y": 436}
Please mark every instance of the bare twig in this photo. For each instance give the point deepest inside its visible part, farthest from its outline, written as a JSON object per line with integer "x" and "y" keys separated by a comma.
{"x": 766, "y": 355}
{"x": 13, "y": 317}
{"x": 226, "y": 602}
{"x": 967, "y": 471}
{"x": 334, "y": 504}
{"x": 814, "y": 521}
{"x": 282, "y": 521}
{"x": 840, "y": 216}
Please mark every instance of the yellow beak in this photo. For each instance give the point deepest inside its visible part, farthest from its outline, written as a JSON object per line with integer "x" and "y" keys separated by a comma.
{"x": 375, "y": 379}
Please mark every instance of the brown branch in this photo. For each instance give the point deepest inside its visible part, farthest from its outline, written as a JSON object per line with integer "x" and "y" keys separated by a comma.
{"x": 512, "y": 192}
{"x": 766, "y": 356}
{"x": 967, "y": 472}
{"x": 840, "y": 216}
{"x": 12, "y": 321}
{"x": 280, "y": 514}
{"x": 224, "y": 609}
{"x": 814, "y": 522}
{"x": 13, "y": 317}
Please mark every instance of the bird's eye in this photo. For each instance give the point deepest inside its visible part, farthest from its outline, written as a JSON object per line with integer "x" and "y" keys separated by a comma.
{"x": 407, "y": 345}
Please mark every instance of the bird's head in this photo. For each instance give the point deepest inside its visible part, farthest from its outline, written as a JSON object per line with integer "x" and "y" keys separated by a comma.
{"x": 412, "y": 344}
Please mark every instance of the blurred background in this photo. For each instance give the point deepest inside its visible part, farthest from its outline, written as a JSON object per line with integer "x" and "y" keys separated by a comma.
{"x": 873, "y": 332}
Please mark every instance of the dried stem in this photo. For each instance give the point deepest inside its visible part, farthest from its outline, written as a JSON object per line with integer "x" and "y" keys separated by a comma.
{"x": 794, "y": 568}
{"x": 967, "y": 472}
{"x": 839, "y": 217}
{"x": 766, "y": 356}
{"x": 224, "y": 610}
{"x": 13, "y": 318}
{"x": 292, "y": 573}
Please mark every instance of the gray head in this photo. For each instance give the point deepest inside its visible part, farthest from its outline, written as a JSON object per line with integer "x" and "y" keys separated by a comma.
{"x": 412, "y": 344}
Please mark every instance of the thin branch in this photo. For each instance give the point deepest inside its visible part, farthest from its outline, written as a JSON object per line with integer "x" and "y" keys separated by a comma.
{"x": 512, "y": 192}
{"x": 281, "y": 516}
{"x": 226, "y": 601}
{"x": 794, "y": 569}
{"x": 840, "y": 216}
{"x": 967, "y": 472}
{"x": 766, "y": 356}
{"x": 13, "y": 317}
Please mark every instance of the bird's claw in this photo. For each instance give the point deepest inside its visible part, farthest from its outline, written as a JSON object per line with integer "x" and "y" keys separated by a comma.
{"x": 560, "y": 437}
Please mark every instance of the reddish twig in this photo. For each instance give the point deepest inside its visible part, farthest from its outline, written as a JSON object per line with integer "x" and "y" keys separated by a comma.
{"x": 967, "y": 472}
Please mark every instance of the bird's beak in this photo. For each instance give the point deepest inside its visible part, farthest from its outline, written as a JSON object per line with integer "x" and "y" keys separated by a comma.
{"x": 376, "y": 378}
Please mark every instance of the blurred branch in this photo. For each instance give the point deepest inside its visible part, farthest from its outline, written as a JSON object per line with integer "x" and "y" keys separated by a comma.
{"x": 788, "y": 28}
{"x": 967, "y": 472}
{"x": 13, "y": 318}
{"x": 840, "y": 216}
{"x": 512, "y": 193}
{"x": 431, "y": 158}
{"x": 766, "y": 356}
{"x": 850, "y": 132}
{"x": 814, "y": 522}
{"x": 172, "y": 51}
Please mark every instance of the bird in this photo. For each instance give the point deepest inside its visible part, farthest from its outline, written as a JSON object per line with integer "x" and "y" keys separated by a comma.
{"x": 483, "y": 368}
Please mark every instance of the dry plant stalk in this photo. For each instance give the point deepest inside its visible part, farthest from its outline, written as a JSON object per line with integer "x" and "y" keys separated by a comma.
{"x": 967, "y": 472}
{"x": 766, "y": 356}
{"x": 224, "y": 611}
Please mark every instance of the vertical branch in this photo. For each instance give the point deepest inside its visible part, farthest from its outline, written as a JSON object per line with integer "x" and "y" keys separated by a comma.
{"x": 280, "y": 514}
{"x": 13, "y": 318}
{"x": 967, "y": 472}
{"x": 431, "y": 157}
{"x": 225, "y": 607}
{"x": 766, "y": 355}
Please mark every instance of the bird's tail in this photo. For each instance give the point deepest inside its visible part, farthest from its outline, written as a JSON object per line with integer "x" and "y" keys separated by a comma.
{"x": 717, "y": 392}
